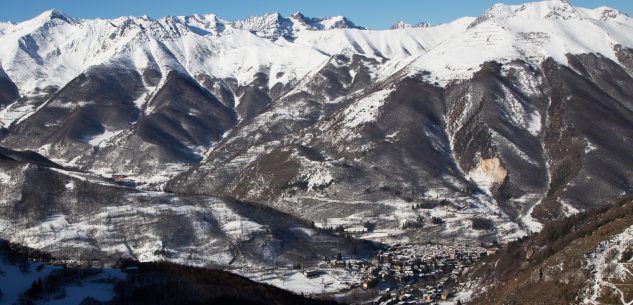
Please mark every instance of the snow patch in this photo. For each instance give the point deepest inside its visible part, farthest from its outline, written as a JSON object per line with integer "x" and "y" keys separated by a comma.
{"x": 4, "y": 178}
{"x": 590, "y": 147}
{"x": 609, "y": 266}
{"x": 366, "y": 109}
{"x": 331, "y": 280}
{"x": 70, "y": 185}
{"x": 534, "y": 123}
{"x": 97, "y": 140}
{"x": 527, "y": 220}
{"x": 567, "y": 208}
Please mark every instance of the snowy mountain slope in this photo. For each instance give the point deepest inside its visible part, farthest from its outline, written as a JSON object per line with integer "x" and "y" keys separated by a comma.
{"x": 496, "y": 123}
{"x": 530, "y": 32}
{"x": 59, "y": 53}
{"x": 51, "y": 40}
{"x": 393, "y": 44}
{"x": 56, "y": 48}
{"x": 60, "y": 47}
{"x": 519, "y": 116}
{"x": 63, "y": 213}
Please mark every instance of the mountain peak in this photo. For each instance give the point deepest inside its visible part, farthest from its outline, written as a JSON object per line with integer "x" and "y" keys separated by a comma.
{"x": 297, "y": 15}
{"x": 400, "y": 25}
{"x": 403, "y": 25}
{"x": 325, "y": 23}
{"x": 53, "y": 14}
{"x": 274, "y": 17}
{"x": 270, "y": 25}
{"x": 422, "y": 24}
{"x": 45, "y": 20}
{"x": 338, "y": 22}
{"x": 548, "y": 9}
{"x": 275, "y": 25}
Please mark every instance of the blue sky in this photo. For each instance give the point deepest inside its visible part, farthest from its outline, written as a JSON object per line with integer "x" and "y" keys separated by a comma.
{"x": 371, "y": 13}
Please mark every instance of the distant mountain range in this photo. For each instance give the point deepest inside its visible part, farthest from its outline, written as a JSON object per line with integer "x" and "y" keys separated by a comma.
{"x": 403, "y": 25}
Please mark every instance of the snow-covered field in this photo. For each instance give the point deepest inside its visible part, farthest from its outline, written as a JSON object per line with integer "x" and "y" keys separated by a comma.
{"x": 15, "y": 281}
{"x": 328, "y": 281}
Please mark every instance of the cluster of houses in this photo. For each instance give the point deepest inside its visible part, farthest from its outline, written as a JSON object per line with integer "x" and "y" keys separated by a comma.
{"x": 412, "y": 274}
{"x": 411, "y": 294}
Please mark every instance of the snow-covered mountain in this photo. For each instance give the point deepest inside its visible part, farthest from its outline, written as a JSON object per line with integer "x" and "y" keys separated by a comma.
{"x": 532, "y": 32}
{"x": 403, "y": 25}
{"x": 519, "y": 116}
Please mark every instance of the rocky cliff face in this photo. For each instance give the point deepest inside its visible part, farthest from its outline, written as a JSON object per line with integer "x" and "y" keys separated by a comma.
{"x": 584, "y": 259}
